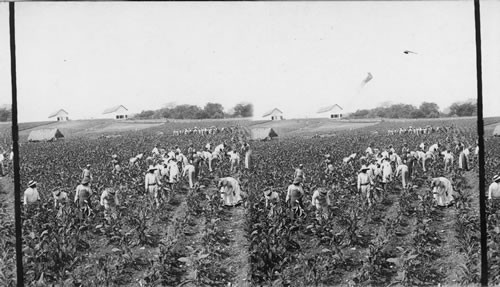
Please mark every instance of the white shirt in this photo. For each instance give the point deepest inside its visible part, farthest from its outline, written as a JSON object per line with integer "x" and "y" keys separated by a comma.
{"x": 369, "y": 150}
{"x": 155, "y": 151}
{"x": 188, "y": 169}
{"x": 433, "y": 148}
{"x": 494, "y": 190}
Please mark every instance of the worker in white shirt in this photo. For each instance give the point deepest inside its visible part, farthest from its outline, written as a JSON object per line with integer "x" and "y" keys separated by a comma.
{"x": 299, "y": 173}
{"x": 152, "y": 184}
{"x": 82, "y": 197}
{"x": 208, "y": 146}
{"x": 463, "y": 159}
{"x": 109, "y": 200}
{"x": 248, "y": 152}
{"x": 422, "y": 146}
{"x": 60, "y": 197}
{"x": 364, "y": 184}
{"x": 386, "y": 173}
{"x": 272, "y": 200}
{"x": 321, "y": 200}
{"x": 448, "y": 160}
{"x": 434, "y": 148}
{"x": 189, "y": 171}
{"x": 234, "y": 158}
{"x": 428, "y": 158}
{"x": 494, "y": 188}
{"x": 369, "y": 150}
{"x": 294, "y": 196}
{"x": 173, "y": 173}
{"x": 86, "y": 174}
{"x": 31, "y": 194}
{"x": 442, "y": 191}
{"x": 155, "y": 151}
{"x": 403, "y": 170}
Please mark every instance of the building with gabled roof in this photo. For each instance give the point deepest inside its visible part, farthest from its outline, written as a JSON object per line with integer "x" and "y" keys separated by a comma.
{"x": 117, "y": 112}
{"x": 331, "y": 112}
{"x": 274, "y": 114}
{"x": 60, "y": 115}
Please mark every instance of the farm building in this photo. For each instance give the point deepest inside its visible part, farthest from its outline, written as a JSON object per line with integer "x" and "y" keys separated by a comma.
{"x": 274, "y": 114}
{"x": 262, "y": 134}
{"x": 496, "y": 131}
{"x": 117, "y": 112}
{"x": 331, "y": 112}
{"x": 45, "y": 135}
{"x": 60, "y": 115}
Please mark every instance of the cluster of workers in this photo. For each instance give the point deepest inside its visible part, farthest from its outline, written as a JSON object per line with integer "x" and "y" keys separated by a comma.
{"x": 165, "y": 170}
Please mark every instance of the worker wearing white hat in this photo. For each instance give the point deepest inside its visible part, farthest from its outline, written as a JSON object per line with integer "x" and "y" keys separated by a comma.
{"x": 294, "y": 196}
{"x": 152, "y": 183}
{"x": 230, "y": 191}
{"x": 31, "y": 194}
{"x": 494, "y": 189}
{"x": 299, "y": 173}
{"x": 109, "y": 199}
{"x": 86, "y": 174}
{"x": 82, "y": 196}
{"x": 321, "y": 200}
{"x": 364, "y": 183}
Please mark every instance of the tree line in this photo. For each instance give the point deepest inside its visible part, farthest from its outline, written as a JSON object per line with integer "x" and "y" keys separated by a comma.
{"x": 5, "y": 115}
{"x": 425, "y": 110}
{"x": 209, "y": 111}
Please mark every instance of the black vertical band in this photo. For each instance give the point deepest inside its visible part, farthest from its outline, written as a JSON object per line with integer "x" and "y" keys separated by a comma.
{"x": 15, "y": 146}
{"x": 480, "y": 131}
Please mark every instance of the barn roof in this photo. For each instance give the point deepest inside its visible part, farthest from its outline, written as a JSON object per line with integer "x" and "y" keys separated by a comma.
{"x": 329, "y": 108}
{"x": 114, "y": 109}
{"x": 271, "y": 111}
{"x": 56, "y": 113}
{"x": 45, "y": 135}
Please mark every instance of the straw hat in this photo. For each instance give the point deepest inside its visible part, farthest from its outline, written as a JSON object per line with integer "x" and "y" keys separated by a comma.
{"x": 323, "y": 191}
{"x": 32, "y": 183}
{"x": 363, "y": 167}
{"x": 297, "y": 180}
{"x": 496, "y": 178}
{"x": 301, "y": 165}
{"x": 151, "y": 167}
{"x": 267, "y": 192}
{"x": 85, "y": 180}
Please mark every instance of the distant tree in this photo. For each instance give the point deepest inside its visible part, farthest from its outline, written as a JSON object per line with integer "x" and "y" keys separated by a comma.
{"x": 145, "y": 115}
{"x": 463, "y": 110}
{"x": 5, "y": 115}
{"x": 243, "y": 110}
{"x": 213, "y": 111}
{"x": 360, "y": 113}
{"x": 429, "y": 110}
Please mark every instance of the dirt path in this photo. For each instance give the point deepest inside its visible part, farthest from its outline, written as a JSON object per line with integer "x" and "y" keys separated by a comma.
{"x": 237, "y": 262}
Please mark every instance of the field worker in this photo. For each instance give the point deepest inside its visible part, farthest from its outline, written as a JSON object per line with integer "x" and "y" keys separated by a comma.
{"x": 86, "y": 174}
{"x": 272, "y": 200}
{"x": 60, "y": 197}
{"x": 364, "y": 183}
{"x": 372, "y": 168}
{"x": 299, "y": 173}
{"x": 182, "y": 160}
{"x": 294, "y": 197}
{"x": 442, "y": 191}
{"x": 494, "y": 189}
{"x": 405, "y": 150}
{"x": 189, "y": 171}
{"x": 152, "y": 183}
{"x": 385, "y": 154}
{"x": 412, "y": 162}
{"x": 386, "y": 173}
{"x": 391, "y": 149}
{"x": 31, "y": 194}
{"x": 395, "y": 158}
{"x": 82, "y": 197}
{"x": 207, "y": 159}
{"x": 177, "y": 149}
{"x": 428, "y": 157}
{"x": 155, "y": 150}
{"x": 434, "y": 148}
{"x": 208, "y": 146}
{"x": 230, "y": 191}
{"x": 245, "y": 149}
{"x": 463, "y": 160}
{"x": 197, "y": 162}
{"x": 403, "y": 170}
{"x": 369, "y": 150}
{"x": 2, "y": 167}
{"x": 448, "y": 160}
{"x": 109, "y": 198}
{"x": 328, "y": 160}
{"x": 173, "y": 172}
{"x": 422, "y": 146}
{"x": 321, "y": 200}
{"x": 234, "y": 158}
{"x": 116, "y": 163}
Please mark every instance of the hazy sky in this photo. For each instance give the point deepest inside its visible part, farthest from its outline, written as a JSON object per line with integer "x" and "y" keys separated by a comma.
{"x": 297, "y": 56}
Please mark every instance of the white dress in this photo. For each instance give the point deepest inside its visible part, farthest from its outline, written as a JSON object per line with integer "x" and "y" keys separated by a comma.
{"x": 231, "y": 192}
{"x": 443, "y": 192}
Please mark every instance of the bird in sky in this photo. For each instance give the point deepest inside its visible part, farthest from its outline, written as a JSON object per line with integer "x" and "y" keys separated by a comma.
{"x": 409, "y": 52}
